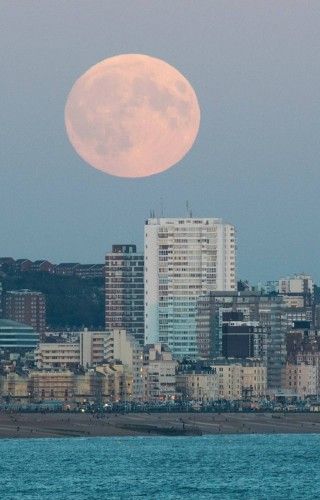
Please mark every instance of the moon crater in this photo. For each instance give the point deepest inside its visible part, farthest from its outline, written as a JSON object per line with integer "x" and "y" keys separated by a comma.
{"x": 132, "y": 116}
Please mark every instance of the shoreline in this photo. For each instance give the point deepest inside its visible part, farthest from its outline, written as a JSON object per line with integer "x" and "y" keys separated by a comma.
{"x": 55, "y": 425}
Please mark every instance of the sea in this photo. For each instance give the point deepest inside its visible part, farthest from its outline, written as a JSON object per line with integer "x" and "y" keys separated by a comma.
{"x": 207, "y": 467}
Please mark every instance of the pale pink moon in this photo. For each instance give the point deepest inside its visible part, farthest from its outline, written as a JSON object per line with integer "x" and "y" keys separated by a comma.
{"x": 132, "y": 115}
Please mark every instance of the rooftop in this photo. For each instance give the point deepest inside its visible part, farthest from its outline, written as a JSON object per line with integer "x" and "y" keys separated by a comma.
{"x": 13, "y": 324}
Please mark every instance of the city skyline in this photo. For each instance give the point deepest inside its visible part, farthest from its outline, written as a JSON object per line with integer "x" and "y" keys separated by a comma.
{"x": 159, "y": 256}
{"x": 255, "y": 161}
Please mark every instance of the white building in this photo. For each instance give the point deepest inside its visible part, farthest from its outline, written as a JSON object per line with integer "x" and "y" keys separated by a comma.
{"x": 299, "y": 283}
{"x": 159, "y": 373}
{"x": 184, "y": 258}
{"x": 92, "y": 348}
{"x": 57, "y": 355}
{"x": 88, "y": 350}
{"x": 122, "y": 347}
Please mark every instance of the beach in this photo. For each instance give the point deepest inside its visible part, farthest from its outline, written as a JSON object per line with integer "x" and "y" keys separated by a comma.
{"x": 36, "y": 425}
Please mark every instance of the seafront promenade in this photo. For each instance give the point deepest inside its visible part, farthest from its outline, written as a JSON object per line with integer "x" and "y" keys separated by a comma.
{"x": 36, "y": 425}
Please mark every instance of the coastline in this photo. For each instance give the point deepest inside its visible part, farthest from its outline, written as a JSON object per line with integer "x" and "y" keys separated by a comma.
{"x": 40, "y": 425}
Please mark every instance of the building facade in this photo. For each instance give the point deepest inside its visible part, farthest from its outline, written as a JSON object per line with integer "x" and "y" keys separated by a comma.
{"x": 159, "y": 373}
{"x": 122, "y": 348}
{"x": 198, "y": 385}
{"x": 302, "y": 379}
{"x": 124, "y": 287}
{"x": 265, "y": 314}
{"x": 184, "y": 258}
{"x": 16, "y": 337}
{"x": 87, "y": 351}
{"x": 104, "y": 384}
{"x": 27, "y": 307}
{"x": 241, "y": 380}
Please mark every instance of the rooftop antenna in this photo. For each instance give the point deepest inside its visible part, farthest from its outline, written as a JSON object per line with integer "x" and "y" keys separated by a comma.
{"x": 161, "y": 207}
{"x": 189, "y": 211}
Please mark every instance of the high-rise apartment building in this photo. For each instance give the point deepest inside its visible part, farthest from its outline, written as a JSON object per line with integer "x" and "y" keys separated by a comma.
{"x": 184, "y": 258}
{"x": 124, "y": 287}
{"x": 266, "y": 340}
{"x": 27, "y": 307}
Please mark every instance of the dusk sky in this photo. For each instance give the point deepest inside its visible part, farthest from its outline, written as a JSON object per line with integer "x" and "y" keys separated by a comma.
{"x": 255, "y": 67}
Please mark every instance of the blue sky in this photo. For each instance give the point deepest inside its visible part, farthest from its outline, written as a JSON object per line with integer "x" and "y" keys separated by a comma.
{"x": 255, "y": 68}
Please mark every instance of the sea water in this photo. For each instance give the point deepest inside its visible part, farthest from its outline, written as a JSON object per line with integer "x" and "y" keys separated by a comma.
{"x": 221, "y": 467}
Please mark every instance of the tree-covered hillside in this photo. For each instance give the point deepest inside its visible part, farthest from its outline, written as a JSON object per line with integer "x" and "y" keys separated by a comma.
{"x": 72, "y": 302}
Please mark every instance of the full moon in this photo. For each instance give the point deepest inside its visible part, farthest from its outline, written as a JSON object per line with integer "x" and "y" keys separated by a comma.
{"x": 132, "y": 115}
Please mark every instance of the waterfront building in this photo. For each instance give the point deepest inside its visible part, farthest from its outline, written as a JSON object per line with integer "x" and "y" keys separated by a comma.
{"x": 124, "y": 287}
{"x": 254, "y": 379}
{"x": 14, "y": 386}
{"x": 106, "y": 383}
{"x": 229, "y": 380}
{"x": 27, "y": 307}
{"x": 198, "y": 385}
{"x": 116, "y": 382}
{"x": 46, "y": 385}
{"x": 184, "y": 258}
{"x": 240, "y": 380}
{"x": 122, "y": 348}
{"x": 302, "y": 379}
{"x": 159, "y": 369}
{"x": 311, "y": 358}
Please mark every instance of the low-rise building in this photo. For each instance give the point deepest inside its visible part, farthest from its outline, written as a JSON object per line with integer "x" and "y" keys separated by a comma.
{"x": 241, "y": 379}
{"x": 46, "y": 385}
{"x": 66, "y": 268}
{"x": 254, "y": 379}
{"x": 116, "y": 383}
{"x": 229, "y": 380}
{"x": 302, "y": 379}
{"x": 42, "y": 266}
{"x": 57, "y": 356}
{"x": 198, "y": 385}
{"x": 14, "y": 386}
{"x": 159, "y": 373}
{"x": 87, "y": 351}
{"x": 106, "y": 383}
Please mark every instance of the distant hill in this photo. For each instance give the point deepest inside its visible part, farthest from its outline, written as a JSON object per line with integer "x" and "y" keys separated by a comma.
{"x": 72, "y": 302}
